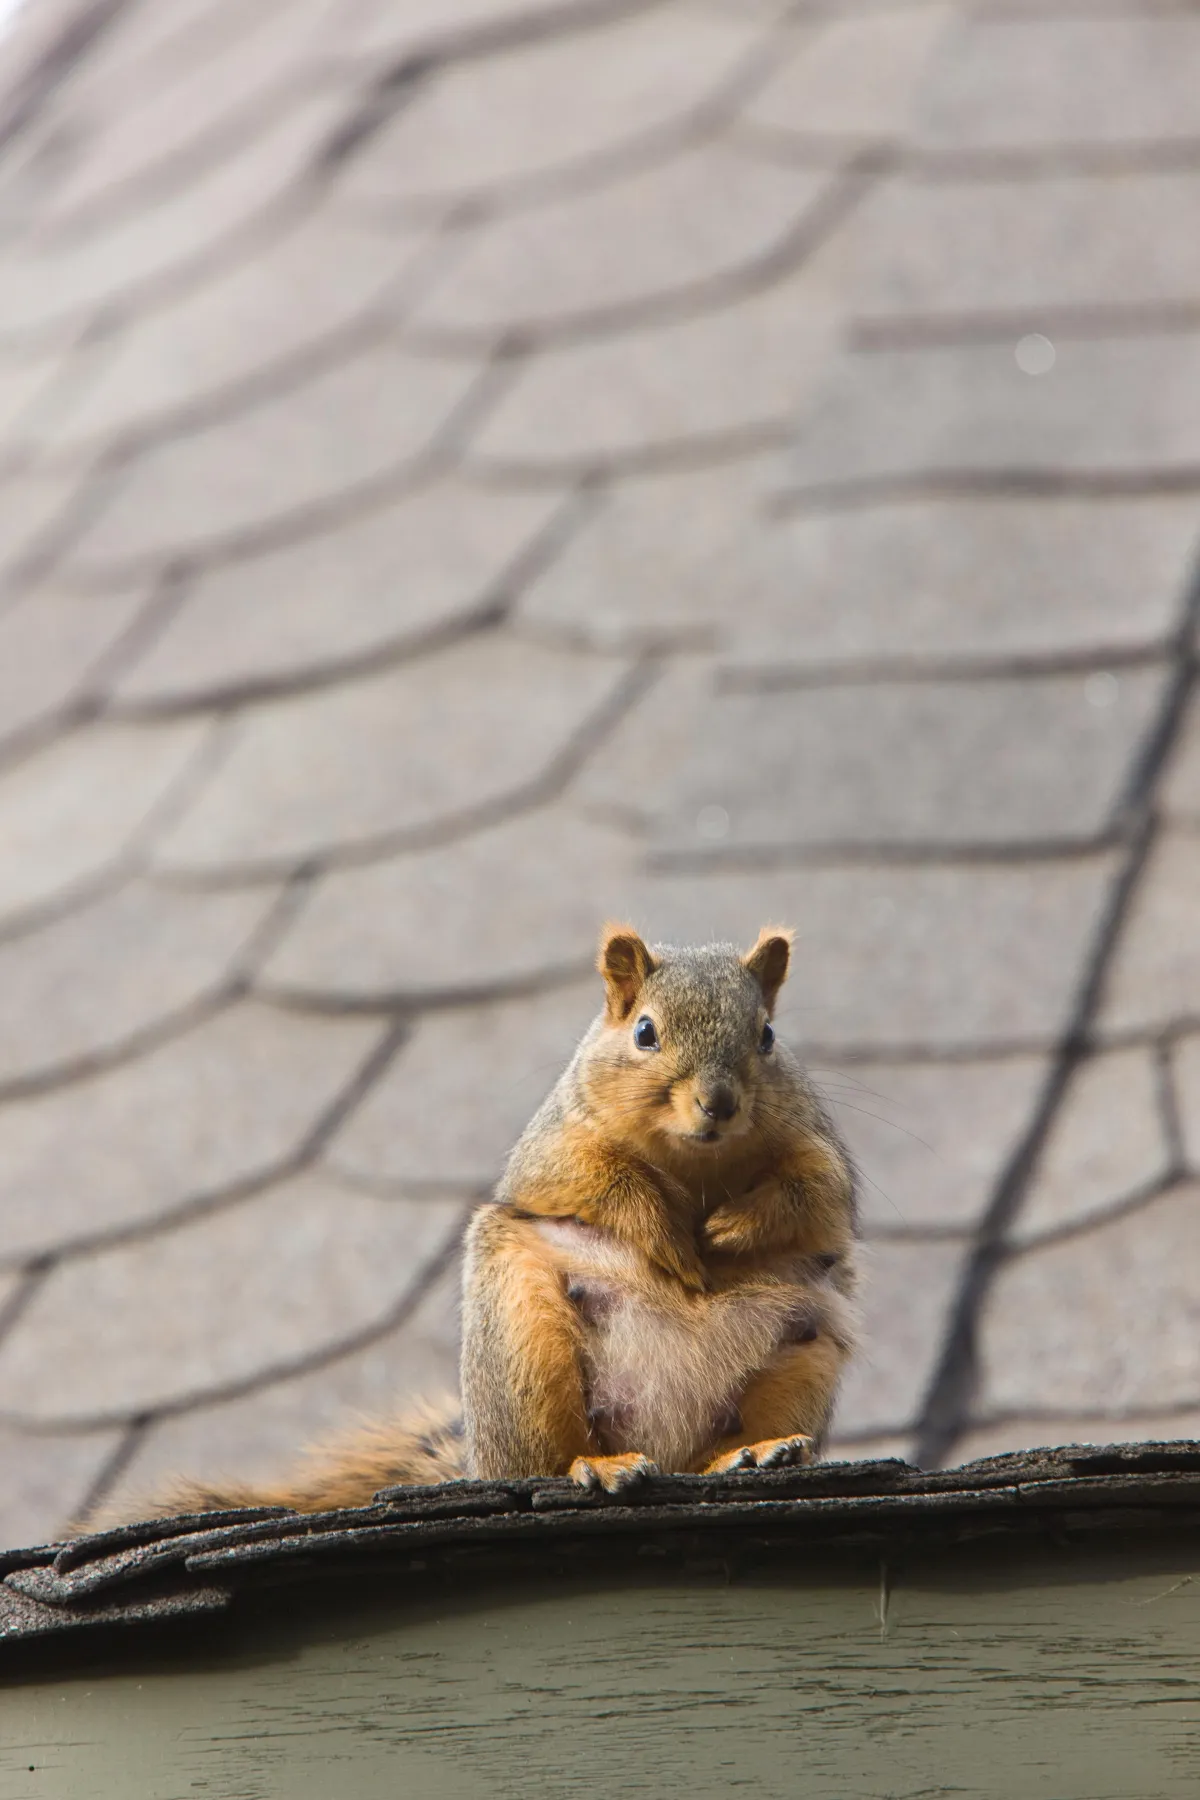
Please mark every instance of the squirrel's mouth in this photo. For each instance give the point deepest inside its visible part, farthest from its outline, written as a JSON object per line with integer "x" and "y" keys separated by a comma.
{"x": 712, "y": 1134}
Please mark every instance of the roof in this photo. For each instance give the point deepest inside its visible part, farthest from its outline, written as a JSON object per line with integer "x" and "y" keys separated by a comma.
{"x": 173, "y": 1569}
{"x": 430, "y": 520}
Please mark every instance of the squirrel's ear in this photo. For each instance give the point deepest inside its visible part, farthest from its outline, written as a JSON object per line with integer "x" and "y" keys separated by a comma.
{"x": 768, "y": 960}
{"x": 624, "y": 962}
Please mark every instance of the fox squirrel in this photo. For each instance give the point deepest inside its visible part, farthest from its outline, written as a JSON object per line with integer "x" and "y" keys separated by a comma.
{"x": 664, "y": 1277}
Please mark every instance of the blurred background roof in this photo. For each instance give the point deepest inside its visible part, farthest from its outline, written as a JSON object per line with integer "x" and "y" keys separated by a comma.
{"x": 471, "y": 467}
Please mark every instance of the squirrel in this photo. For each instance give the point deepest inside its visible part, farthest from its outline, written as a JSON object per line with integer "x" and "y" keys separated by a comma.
{"x": 664, "y": 1277}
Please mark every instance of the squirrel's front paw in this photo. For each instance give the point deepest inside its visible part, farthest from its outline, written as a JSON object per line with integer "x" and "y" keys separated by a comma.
{"x": 614, "y": 1474}
{"x": 739, "y": 1225}
{"x": 770, "y": 1453}
{"x": 726, "y": 1229}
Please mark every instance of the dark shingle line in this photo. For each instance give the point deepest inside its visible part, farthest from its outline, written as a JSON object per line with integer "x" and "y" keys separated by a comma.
{"x": 883, "y": 853}
{"x": 232, "y": 134}
{"x": 192, "y": 269}
{"x": 872, "y": 333}
{"x": 22, "y": 1295}
{"x": 904, "y": 667}
{"x": 758, "y": 274}
{"x": 701, "y": 450}
{"x": 389, "y": 91}
{"x": 1014, "y": 481}
{"x": 1168, "y": 1105}
{"x": 944, "y": 1413}
{"x": 1127, "y": 1207}
{"x": 963, "y": 166}
{"x": 86, "y": 700}
{"x": 386, "y": 1001}
{"x": 231, "y": 985}
{"x": 524, "y": 797}
{"x": 437, "y": 458}
{"x": 24, "y": 104}
{"x": 901, "y": 1051}
{"x": 52, "y": 542}
{"x": 132, "y": 856}
{"x": 397, "y": 86}
{"x": 202, "y": 1203}
{"x": 376, "y": 326}
{"x": 283, "y": 1369}
{"x": 491, "y": 608}
{"x": 1023, "y": 13}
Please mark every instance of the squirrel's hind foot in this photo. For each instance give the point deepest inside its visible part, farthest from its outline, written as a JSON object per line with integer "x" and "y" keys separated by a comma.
{"x": 615, "y": 1474}
{"x": 769, "y": 1453}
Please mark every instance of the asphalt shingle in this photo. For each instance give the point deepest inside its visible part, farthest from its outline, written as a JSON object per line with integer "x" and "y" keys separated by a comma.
{"x": 467, "y": 469}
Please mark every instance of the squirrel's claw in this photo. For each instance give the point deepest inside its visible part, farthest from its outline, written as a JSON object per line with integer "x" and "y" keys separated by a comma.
{"x": 788, "y": 1452}
{"x": 613, "y": 1474}
{"x": 770, "y": 1453}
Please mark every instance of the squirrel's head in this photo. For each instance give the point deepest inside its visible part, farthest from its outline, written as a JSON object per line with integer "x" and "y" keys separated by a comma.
{"x": 685, "y": 1049}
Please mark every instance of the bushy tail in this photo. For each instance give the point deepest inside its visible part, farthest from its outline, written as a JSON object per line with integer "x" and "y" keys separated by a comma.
{"x": 420, "y": 1448}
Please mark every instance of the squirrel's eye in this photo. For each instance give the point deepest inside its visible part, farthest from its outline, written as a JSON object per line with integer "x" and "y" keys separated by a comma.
{"x": 644, "y": 1034}
{"x": 768, "y": 1037}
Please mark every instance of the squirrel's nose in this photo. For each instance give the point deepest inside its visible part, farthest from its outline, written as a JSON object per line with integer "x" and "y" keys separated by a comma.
{"x": 718, "y": 1102}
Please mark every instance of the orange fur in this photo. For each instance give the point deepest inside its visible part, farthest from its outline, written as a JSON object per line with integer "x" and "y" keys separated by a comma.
{"x": 586, "y": 1178}
{"x": 771, "y": 1453}
{"x": 612, "y": 1473}
{"x": 701, "y": 1201}
{"x": 767, "y": 960}
{"x": 528, "y": 1379}
{"x": 787, "y": 1404}
{"x": 665, "y": 1275}
{"x": 803, "y": 1205}
{"x": 422, "y": 1447}
{"x": 624, "y": 962}
{"x": 795, "y": 1392}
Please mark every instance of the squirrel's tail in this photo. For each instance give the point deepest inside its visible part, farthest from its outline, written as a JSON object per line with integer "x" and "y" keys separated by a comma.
{"x": 421, "y": 1448}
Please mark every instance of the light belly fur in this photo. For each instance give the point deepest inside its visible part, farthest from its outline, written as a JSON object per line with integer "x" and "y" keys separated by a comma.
{"x": 665, "y": 1370}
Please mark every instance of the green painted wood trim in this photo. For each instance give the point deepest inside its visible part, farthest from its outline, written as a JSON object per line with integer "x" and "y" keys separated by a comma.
{"x": 989, "y": 1672}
